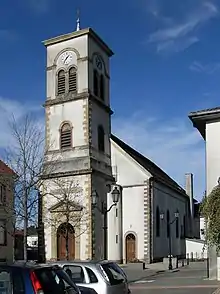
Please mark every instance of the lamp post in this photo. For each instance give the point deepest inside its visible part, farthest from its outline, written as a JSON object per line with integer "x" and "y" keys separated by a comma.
{"x": 104, "y": 211}
{"x": 176, "y": 216}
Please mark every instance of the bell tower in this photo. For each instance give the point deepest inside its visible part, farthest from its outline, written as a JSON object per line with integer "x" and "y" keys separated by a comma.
{"x": 78, "y": 127}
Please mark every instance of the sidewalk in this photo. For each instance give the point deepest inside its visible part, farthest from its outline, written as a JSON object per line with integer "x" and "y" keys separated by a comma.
{"x": 135, "y": 271}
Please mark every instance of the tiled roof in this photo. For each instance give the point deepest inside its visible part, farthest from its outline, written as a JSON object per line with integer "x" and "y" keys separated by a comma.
{"x": 204, "y": 111}
{"x": 146, "y": 163}
{"x": 5, "y": 169}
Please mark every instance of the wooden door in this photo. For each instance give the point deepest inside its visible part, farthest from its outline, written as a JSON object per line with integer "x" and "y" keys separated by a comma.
{"x": 61, "y": 242}
{"x": 130, "y": 248}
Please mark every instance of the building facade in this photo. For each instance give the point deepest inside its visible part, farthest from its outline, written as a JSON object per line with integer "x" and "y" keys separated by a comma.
{"x": 207, "y": 122}
{"x": 82, "y": 157}
{"x": 78, "y": 153}
{"x": 139, "y": 224}
{"x": 7, "y": 217}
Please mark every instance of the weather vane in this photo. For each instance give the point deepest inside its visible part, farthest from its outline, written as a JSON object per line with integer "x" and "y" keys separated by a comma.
{"x": 78, "y": 21}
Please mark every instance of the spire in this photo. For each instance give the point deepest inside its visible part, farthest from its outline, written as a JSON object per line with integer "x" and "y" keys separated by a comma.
{"x": 78, "y": 21}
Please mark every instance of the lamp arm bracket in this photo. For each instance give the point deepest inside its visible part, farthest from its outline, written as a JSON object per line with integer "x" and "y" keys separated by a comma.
{"x": 107, "y": 210}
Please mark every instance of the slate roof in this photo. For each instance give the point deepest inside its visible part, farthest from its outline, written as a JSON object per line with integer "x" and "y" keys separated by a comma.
{"x": 146, "y": 163}
{"x": 5, "y": 169}
{"x": 205, "y": 111}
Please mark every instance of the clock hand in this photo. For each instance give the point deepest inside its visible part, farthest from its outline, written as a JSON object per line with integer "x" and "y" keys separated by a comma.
{"x": 66, "y": 58}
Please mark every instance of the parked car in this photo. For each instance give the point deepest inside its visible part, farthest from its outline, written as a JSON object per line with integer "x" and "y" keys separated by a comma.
{"x": 105, "y": 277}
{"x": 29, "y": 278}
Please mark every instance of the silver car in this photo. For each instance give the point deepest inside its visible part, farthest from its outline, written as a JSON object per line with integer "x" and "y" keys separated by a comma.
{"x": 105, "y": 277}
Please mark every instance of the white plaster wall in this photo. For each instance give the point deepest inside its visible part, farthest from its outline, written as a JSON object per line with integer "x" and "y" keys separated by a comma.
{"x": 80, "y": 44}
{"x": 128, "y": 171}
{"x": 131, "y": 177}
{"x": 72, "y": 112}
{"x": 212, "y": 155}
{"x": 100, "y": 117}
{"x": 167, "y": 199}
{"x": 94, "y": 49}
{"x": 197, "y": 248}
{"x": 51, "y": 189}
{"x": 115, "y": 246}
{"x": 133, "y": 218}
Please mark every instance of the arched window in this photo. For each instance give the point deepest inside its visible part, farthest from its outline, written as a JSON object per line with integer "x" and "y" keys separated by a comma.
{"x": 177, "y": 227}
{"x": 66, "y": 136}
{"x": 96, "y": 83}
{"x": 157, "y": 222}
{"x": 61, "y": 85}
{"x": 168, "y": 224}
{"x": 102, "y": 87}
{"x": 101, "y": 139}
{"x": 72, "y": 79}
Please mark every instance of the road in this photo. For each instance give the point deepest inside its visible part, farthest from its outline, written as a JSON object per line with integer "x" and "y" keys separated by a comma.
{"x": 185, "y": 280}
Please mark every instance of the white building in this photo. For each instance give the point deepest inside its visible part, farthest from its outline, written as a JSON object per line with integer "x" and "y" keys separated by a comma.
{"x": 82, "y": 157}
{"x": 32, "y": 241}
{"x": 208, "y": 124}
{"x": 136, "y": 231}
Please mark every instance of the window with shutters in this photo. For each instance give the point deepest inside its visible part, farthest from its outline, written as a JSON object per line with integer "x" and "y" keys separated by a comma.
{"x": 101, "y": 139}
{"x": 66, "y": 136}
{"x": 96, "y": 83}
{"x": 73, "y": 80}
{"x": 102, "y": 87}
{"x": 2, "y": 194}
{"x": 61, "y": 83}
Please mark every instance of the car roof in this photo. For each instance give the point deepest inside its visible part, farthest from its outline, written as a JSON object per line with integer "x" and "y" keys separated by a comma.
{"x": 22, "y": 264}
{"x": 81, "y": 262}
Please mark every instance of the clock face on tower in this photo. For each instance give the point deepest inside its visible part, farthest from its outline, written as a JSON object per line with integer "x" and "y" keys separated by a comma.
{"x": 67, "y": 57}
{"x": 98, "y": 62}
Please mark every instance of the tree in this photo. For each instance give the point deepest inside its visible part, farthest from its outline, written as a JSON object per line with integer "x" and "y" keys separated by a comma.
{"x": 66, "y": 205}
{"x": 210, "y": 209}
{"x": 26, "y": 157}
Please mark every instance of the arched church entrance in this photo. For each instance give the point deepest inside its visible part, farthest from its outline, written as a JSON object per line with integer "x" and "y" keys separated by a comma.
{"x": 65, "y": 242}
{"x": 130, "y": 242}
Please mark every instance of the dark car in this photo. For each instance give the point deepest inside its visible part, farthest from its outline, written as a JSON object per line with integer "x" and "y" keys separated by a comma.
{"x": 26, "y": 278}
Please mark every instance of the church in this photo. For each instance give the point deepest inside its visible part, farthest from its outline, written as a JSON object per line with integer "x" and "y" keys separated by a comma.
{"x": 86, "y": 164}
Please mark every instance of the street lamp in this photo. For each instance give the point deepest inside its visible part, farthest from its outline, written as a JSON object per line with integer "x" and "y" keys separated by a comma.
{"x": 176, "y": 216}
{"x": 104, "y": 211}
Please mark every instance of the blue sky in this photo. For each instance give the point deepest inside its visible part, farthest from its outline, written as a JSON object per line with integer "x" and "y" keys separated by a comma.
{"x": 166, "y": 64}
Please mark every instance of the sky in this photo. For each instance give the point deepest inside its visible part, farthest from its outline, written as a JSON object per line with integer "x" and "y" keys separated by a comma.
{"x": 166, "y": 64}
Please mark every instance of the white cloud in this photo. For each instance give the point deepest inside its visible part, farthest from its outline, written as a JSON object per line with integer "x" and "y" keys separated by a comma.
{"x": 8, "y": 109}
{"x": 210, "y": 68}
{"x": 181, "y": 34}
{"x": 175, "y": 146}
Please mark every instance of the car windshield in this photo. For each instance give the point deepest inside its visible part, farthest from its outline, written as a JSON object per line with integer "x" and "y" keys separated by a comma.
{"x": 54, "y": 280}
{"x": 113, "y": 272}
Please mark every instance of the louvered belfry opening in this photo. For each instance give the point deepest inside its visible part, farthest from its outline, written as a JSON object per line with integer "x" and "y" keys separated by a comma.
{"x": 96, "y": 83}
{"x": 72, "y": 80}
{"x": 102, "y": 88}
{"x": 61, "y": 87}
{"x": 101, "y": 139}
{"x": 66, "y": 136}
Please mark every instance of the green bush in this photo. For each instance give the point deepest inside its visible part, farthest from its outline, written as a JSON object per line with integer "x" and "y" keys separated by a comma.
{"x": 210, "y": 209}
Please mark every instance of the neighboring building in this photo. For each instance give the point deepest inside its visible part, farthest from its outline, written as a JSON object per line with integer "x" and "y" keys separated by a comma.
{"x": 79, "y": 146}
{"x": 207, "y": 122}
{"x": 136, "y": 230}
{"x": 7, "y": 180}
